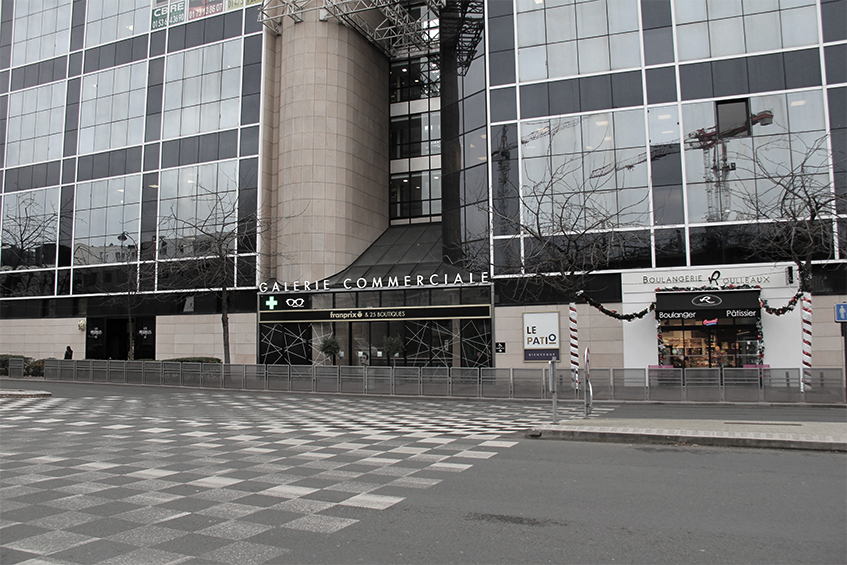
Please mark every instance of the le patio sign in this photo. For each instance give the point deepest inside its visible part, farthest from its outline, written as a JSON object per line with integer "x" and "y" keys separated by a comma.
{"x": 540, "y": 336}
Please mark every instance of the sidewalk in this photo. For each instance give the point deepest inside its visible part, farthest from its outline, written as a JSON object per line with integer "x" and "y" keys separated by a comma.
{"x": 816, "y": 436}
{"x": 20, "y": 393}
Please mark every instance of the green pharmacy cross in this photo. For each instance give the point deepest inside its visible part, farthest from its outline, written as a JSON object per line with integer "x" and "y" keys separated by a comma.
{"x": 271, "y": 302}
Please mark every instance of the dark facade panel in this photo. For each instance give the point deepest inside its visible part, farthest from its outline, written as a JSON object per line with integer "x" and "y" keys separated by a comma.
{"x": 834, "y": 18}
{"x": 564, "y": 96}
{"x": 802, "y": 68}
{"x": 114, "y": 54}
{"x": 36, "y": 74}
{"x": 41, "y": 175}
{"x": 534, "y": 102}
{"x": 765, "y": 73}
{"x": 502, "y": 69}
{"x": 503, "y": 105}
{"x": 836, "y": 63}
{"x": 661, "y": 85}
{"x": 627, "y": 89}
{"x": 595, "y": 93}
{"x": 109, "y": 164}
{"x": 656, "y": 14}
{"x": 729, "y": 77}
{"x": 696, "y": 81}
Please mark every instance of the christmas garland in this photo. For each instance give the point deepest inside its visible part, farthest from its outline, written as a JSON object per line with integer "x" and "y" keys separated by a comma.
{"x": 760, "y": 343}
{"x": 783, "y": 310}
{"x": 616, "y": 315}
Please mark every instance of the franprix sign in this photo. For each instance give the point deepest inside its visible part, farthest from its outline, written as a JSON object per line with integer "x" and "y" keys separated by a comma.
{"x": 292, "y": 314}
{"x": 174, "y": 12}
{"x": 541, "y": 336}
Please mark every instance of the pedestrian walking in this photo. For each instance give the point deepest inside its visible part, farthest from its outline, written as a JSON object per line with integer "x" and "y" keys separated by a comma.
{"x": 69, "y": 353}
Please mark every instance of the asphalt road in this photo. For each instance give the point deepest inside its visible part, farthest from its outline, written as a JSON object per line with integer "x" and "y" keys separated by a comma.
{"x": 530, "y": 501}
{"x": 563, "y": 502}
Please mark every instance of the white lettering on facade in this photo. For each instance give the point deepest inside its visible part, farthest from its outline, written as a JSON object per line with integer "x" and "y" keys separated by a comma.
{"x": 673, "y": 279}
{"x": 375, "y": 282}
{"x": 677, "y": 315}
{"x": 740, "y": 313}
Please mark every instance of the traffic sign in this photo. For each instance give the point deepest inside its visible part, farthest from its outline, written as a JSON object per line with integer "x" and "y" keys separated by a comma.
{"x": 841, "y": 312}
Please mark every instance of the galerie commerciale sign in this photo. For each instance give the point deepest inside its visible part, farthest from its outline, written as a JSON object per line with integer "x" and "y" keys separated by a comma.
{"x": 375, "y": 283}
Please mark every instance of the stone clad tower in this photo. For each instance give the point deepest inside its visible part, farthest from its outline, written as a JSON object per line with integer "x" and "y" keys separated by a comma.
{"x": 327, "y": 113}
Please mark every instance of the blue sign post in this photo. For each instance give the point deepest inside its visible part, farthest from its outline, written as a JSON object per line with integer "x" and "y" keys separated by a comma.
{"x": 841, "y": 312}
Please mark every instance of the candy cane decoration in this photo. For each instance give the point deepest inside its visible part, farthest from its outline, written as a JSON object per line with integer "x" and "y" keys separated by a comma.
{"x": 806, "y": 317}
{"x": 574, "y": 344}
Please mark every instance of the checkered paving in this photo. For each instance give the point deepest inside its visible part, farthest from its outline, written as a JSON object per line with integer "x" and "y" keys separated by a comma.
{"x": 177, "y": 476}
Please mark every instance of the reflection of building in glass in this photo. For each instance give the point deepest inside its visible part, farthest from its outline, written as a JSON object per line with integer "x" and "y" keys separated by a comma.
{"x": 626, "y": 149}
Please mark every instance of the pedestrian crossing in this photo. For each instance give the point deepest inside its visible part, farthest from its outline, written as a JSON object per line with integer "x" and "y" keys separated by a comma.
{"x": 166, "y": 477}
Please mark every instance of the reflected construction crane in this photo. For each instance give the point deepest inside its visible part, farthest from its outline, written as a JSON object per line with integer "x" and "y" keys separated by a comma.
{"x": 716, "y": 165}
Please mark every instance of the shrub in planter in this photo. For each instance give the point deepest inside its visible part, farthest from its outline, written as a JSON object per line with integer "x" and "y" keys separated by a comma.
{"x": 4, "y": 362}
{"x": 193, "y": 360}
{"x": 329, "y": 346}
{"x": 34, "y": 368}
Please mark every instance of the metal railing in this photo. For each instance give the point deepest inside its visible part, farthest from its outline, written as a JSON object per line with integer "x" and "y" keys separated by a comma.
{"x": 749, "y": 384}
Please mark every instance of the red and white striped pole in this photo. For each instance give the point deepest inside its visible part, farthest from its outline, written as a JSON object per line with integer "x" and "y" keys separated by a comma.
{"x": 806, "y": 317}
{"x": 574, "y": 342}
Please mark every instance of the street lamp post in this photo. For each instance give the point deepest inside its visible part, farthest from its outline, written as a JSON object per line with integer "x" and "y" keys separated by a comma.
{"x": 123, "y": 237}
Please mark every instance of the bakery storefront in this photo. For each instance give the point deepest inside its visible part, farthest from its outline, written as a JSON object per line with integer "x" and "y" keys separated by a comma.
{"x": 709, "y": 328}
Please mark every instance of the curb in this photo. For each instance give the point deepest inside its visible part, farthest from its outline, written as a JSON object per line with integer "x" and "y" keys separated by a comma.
{"x": 25, "y": 394}
{"x": 689, "y": 440}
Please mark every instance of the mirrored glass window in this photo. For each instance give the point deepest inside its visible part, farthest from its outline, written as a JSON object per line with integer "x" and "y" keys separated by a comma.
{"x": 760, "y": 32}
{"x": 726, "y": 37}
{"x": 799, "y": 26}
{"x": 35, "y": 125}
{"x": 198, "y": 207}
{"x": 202, "y": 89}
{"x": 29, "y": 229}
{"x": 533, "y": 63}
{"x": 106, "y": 220}
{"x": 42, "y": 30}
{"x": 112, "y": 109}
{"x": 111, "y": 20}
{"x": 693, "y": 41}
{"x": 531, "y": 29}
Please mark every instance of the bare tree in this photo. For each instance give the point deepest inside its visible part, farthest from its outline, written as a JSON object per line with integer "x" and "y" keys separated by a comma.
{"x": 205, "y": 235}
{"x": 29, "y": 232}
{"x": 28, "y": 241}
{"x": 203, "y": 242}
{"x": 568, "y": 217}
{"x": 793, "y": 209}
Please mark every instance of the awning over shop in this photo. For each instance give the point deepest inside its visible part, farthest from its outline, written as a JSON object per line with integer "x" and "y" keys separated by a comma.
{"x": 399, "y": 252}
{"x": 707, "y": 304}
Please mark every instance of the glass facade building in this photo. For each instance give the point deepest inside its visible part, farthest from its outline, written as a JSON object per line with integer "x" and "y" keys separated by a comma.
{"x": 149, "y": 143}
